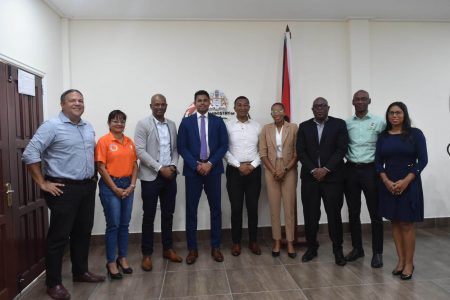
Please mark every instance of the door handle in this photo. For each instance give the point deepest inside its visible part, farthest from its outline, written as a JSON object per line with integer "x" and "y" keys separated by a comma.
{"x": 9, "y": 193}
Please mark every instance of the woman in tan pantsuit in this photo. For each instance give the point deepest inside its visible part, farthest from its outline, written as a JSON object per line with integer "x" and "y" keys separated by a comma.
{"x": 277, "y": 143}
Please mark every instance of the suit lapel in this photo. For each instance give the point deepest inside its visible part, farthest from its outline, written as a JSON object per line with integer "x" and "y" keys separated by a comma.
{"x": 195, "y": 126}
{"x": 154, "y": 127}
{"x": 272, "y": 136}
{"x": 325, "y": 130}
{"x": 210, "y": 124}
{"x": 315, "y": 131}
{"x": 285, "y": 134}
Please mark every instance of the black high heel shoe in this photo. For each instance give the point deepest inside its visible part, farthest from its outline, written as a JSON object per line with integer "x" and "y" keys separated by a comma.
{"x": 407, "y": 276}
{"x": 113, "y": 276}
{"x": 292, "y": 255}
{"x": 396, "y": 272}
{"x": 275, "y": 253}
{"x": 128, "y": 270}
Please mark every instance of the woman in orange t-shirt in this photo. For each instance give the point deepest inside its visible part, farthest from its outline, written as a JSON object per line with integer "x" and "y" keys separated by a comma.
{"x": 115, "y": 155}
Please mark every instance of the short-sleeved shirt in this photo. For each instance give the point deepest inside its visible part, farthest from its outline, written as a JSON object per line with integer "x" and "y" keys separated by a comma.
{"x": 118, "y": 157}
{"x": 363, "y": 134}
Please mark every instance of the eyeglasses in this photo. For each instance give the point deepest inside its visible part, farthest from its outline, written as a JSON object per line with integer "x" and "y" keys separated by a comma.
{"x": 275, "y": 112}
{"x": 396, "y": 113}
{"x": 118, "y": 121}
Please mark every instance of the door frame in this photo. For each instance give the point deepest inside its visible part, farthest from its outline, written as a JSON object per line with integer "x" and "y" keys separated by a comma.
{"x": 33, "y": 274}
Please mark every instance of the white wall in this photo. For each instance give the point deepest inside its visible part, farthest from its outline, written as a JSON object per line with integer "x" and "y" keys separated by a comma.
{"x": 119, "y": 65}
{"x": 30, "y": 35}
{"x": 410, "y": 63}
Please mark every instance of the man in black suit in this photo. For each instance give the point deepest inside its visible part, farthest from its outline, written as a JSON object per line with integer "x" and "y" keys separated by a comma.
{"x": 321, "y": 146}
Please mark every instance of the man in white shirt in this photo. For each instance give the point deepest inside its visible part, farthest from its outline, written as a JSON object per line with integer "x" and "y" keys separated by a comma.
{"x": 243, "y": 174}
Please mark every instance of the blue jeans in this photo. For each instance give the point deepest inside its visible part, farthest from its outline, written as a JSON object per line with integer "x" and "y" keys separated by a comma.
{"x": 117, "y": 214}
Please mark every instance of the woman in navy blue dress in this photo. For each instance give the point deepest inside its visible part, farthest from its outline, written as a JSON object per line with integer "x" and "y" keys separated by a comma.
{"x": 400, "y": 157}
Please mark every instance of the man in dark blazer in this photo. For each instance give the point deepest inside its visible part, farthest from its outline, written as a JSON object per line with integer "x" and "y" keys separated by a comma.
{"x": 203, "y": 142}
{"x": 321, "y": 146}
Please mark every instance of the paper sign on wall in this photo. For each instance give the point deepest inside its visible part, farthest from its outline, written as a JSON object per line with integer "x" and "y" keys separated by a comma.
{"x": 26, "y": 83}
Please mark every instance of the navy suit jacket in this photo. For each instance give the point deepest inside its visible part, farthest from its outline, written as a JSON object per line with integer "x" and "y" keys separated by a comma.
{"x": 331, "y": 149}
{"x": 189, "y": 143}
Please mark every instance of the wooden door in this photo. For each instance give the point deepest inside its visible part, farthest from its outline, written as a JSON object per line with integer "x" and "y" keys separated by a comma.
{"x": 23, "y": 217}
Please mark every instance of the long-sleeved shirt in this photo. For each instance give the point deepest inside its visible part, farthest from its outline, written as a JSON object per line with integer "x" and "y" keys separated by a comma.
{"x": 67, "y": 149}
{"x": 243, "y": 142}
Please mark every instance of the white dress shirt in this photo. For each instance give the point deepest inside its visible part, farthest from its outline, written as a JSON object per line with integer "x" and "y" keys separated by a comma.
{"x": 165, "y": 156}
{"x": 243, "y": 142}
{"x": 279, "y": 142}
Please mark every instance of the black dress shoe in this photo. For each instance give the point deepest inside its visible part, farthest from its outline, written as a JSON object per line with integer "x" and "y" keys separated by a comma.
{"x": 58, "y": 292}
{"x": 128, "y": 270}
{"x": 377, "y": 260}
{"x": 354, "y": 254}
{"x": 88, "y": 277}
{"x": 309, "y": 254}
{"x": 339, "y": 259}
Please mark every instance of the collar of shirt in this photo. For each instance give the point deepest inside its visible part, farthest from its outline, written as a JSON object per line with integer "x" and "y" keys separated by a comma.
{"x": 367, "y": 116}
{"x": 159, "y": 122}
{"x": 113, "y": 138}
{"x": 236, "y": 120}
{"x": 65, "y": 119}
{"x": 199, "y": 115}
{"x": 318, "y": 123}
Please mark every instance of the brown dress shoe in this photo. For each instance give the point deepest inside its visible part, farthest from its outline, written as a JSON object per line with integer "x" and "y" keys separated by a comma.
{"x": 191, "y": 257}
{"x": 236, "y": 249}
{"x": 147, "y": 264}
{"x": 254, "y": 247}
{"x": 58, "y": 292}
{"x": 171, "y": 255}
{"x": 217, "y": 255}
{"x": 88, "y": 277}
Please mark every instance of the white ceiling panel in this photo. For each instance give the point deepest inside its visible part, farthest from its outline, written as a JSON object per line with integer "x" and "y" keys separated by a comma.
{"x": 261, "y": 10}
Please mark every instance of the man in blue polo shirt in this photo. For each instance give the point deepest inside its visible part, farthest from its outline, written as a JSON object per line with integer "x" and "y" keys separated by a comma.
{"x": 363, "y": 129}
{"x": 66, "y": 146}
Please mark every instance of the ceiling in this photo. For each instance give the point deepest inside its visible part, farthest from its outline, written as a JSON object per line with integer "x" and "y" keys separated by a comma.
{"x": 257, "y": 10}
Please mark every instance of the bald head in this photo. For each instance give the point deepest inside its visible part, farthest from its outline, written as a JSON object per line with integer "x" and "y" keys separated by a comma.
{"x": 158, "y": 105}
{"x": 320, "y": 109}
{"x": 157, "y": 97}
{"x": 361, "y": 101}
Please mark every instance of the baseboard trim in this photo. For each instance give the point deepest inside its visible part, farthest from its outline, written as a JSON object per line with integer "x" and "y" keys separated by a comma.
{"x": 265, "y": 232}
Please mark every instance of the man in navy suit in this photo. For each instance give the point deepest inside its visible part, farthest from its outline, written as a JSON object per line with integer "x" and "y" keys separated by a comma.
{"x": 321, "y": 146}
{"x": 203, "y": 142}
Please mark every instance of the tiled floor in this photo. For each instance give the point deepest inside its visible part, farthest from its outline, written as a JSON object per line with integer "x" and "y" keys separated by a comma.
{"x": 263, "y": 277}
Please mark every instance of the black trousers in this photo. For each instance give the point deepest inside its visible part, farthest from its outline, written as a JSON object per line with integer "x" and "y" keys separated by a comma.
{"x": 239, "y": 188}
{"x": 363, "y": 179}
{"x": 71, "y": 219}
{"x": 166, "y": 191}
{"x": 332, "y": 194}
